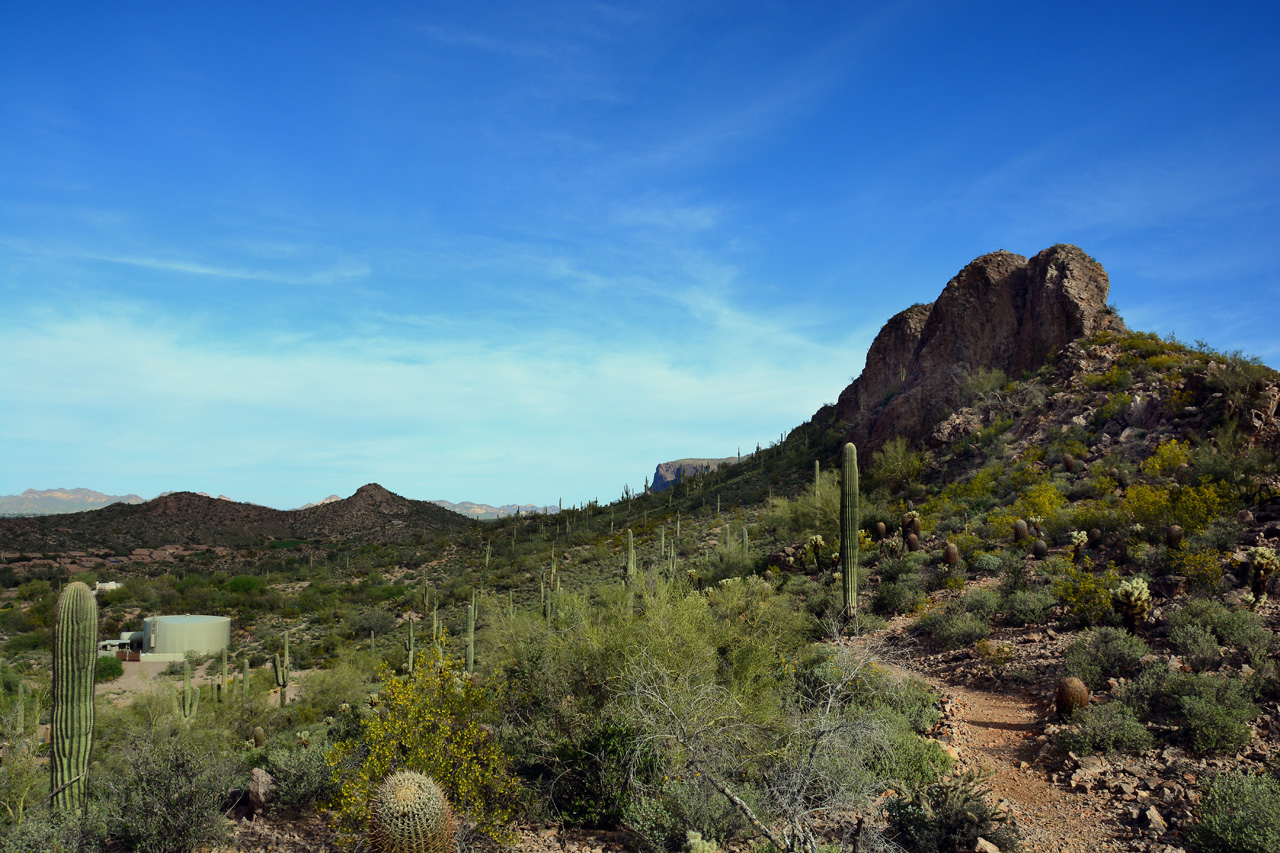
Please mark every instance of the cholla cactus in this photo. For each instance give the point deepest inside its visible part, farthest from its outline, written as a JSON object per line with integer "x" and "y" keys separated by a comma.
{"x": 1133, "y": 600}
{"x": 815, "y": 546}
{"x": 1078, "y": 540}
{"x": 1265, "y": 563}
{"x": 409, "y": 814}
{"x": 695, "y": 843}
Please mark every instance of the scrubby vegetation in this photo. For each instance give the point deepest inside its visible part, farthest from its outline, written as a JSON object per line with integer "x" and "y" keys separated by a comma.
{"x": 700, "y": 691}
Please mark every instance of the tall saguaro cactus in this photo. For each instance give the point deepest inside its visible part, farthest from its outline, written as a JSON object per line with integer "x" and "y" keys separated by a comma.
{"x": 282, "y": 670}
{"x": 850, "y": 521}
{"x": 471, "y": 633}
{"x": 631, "y": 557}
{"x": 75, "y": 657}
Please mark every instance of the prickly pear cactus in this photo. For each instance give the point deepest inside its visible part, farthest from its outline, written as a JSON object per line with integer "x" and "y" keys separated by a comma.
{"x": 75, "y": 657}
{"x": 1072, "y": 696}
{"x": 409, "y": 814}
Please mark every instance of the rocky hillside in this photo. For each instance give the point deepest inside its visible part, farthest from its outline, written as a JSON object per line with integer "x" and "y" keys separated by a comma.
{"x": 1001, "y": 312}
{"x": 188, "y": 518}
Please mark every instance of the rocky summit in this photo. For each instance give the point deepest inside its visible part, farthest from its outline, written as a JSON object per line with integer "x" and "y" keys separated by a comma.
{"x": 1001, "y": 312}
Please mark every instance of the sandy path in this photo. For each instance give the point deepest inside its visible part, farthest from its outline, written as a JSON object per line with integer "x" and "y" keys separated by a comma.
{"x": 997, "y": 732}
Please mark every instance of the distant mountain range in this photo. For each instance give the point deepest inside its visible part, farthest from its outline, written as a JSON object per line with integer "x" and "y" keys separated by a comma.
{"x": 35, "y": 502}
{"x": 484, "y": 511}
{"x": 57, "y": 501}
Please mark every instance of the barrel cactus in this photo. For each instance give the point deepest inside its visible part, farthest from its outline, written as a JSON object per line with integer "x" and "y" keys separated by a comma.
{"x": 75, "y": 658}
{"x": 1173, "y": 536}
{"x": 1019, "y": 530}
{"x": 1040, "y": 549}
{"x": 1072, "y": 696}
{"x": 951, "y": 554}
{"x": 1133, "y": 599}
{"x": 409, "y": 814}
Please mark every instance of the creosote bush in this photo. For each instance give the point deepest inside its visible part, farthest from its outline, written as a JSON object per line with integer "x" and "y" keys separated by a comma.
{"x": 1239, "y": 813}
{"x": 1105, "y": 728}
{"x": 1103, "y": 653}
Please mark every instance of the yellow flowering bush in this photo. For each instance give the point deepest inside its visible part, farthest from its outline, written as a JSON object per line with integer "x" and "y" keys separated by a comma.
{"x": 436, "y": 721}
{"x": 1168, "y": 456}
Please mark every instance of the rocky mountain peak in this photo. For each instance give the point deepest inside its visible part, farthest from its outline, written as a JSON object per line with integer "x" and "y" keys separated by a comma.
{"x": 1002, "y": 312}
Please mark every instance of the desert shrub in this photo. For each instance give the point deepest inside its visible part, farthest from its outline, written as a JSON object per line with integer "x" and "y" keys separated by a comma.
{"x": 983, "y": 603}
{"x": 954, "y": 628}
{"x": 1239, "y": 813}
{"x": 950, "y": 814}
{"x": 302, "y": 778}
{"x": 1167, "y": 457}
{"x": 165, "y": 794}
{"x": 985, "y": 564}
{"x": 895, "y": 597}
{"x": 1194, "y": 507}
{"x": 1239, "y": 629}
{"x": 895, "y": 465}
{"x": 1103, "y": 653}
{"x": 1087, "y": 595}
{"x": 437, "y": 721}
{"x": 1217, "y": 713}
{"x": 663, "y": 813}
{"x": 1026, "y": 607}
{"x": 49, "y": 831}
{"x": 1196, "y": 644}
{"x": 1201, "y": 567}
{"x": 899, "y": 568}
{"x": 1147, "y": 506}
{"x": 1105, "y": 728}
{"x": 109, "y": 668}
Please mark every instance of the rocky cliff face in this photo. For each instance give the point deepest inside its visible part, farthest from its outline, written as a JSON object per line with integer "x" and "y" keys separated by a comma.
{"x": 668, "y": 473}
{"x": 1002, "y": 311}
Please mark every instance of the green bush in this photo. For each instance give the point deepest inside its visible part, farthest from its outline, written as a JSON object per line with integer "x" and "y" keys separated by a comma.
{"x": 1105, "y": 728}
{"x": 1217, "y": 713}
{"x": 1242, "y": 630}
{"x": 954, "y": 628}
{"x": 894, "y": 597}
{"x": 1103, "y": 653}
{"x": 1087, "y": 595}
{"x": 983, "y": 603}
{"x": 190, "y": 783}
{"x": 1029, "y": 608}
{"x": 302, "y": 777}
{"x": 1196, "y": 645}
{"x": 109, "y": 668}
{"x": 1238, "y": 814}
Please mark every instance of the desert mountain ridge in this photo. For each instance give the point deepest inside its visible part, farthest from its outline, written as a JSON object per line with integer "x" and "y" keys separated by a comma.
{"x": 178, "y": 518}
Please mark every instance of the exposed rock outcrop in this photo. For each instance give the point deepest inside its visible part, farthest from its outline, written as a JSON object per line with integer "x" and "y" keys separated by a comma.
{"x": 668, "y": 473}
{"x": 1002, "y": 311}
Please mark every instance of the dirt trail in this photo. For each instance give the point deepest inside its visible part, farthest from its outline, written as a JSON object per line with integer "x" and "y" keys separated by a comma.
{"x": 997, "y": 732}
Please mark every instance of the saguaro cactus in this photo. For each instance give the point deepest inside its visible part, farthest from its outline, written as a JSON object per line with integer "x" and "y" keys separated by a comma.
{"x": 222, "y": 682}
{"x": 75, "y": 656}
{"x": 187, "y": 702}
{"x": 408, "y": 645}
{"x": 631, "y": 557}
{"x": 850, "y": 520}
{"x": 282, "y": 671}
{"x": 471, "y": 633}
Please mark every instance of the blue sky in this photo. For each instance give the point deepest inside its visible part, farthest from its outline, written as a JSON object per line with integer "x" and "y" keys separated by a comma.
{"x": 525, "y": 251}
